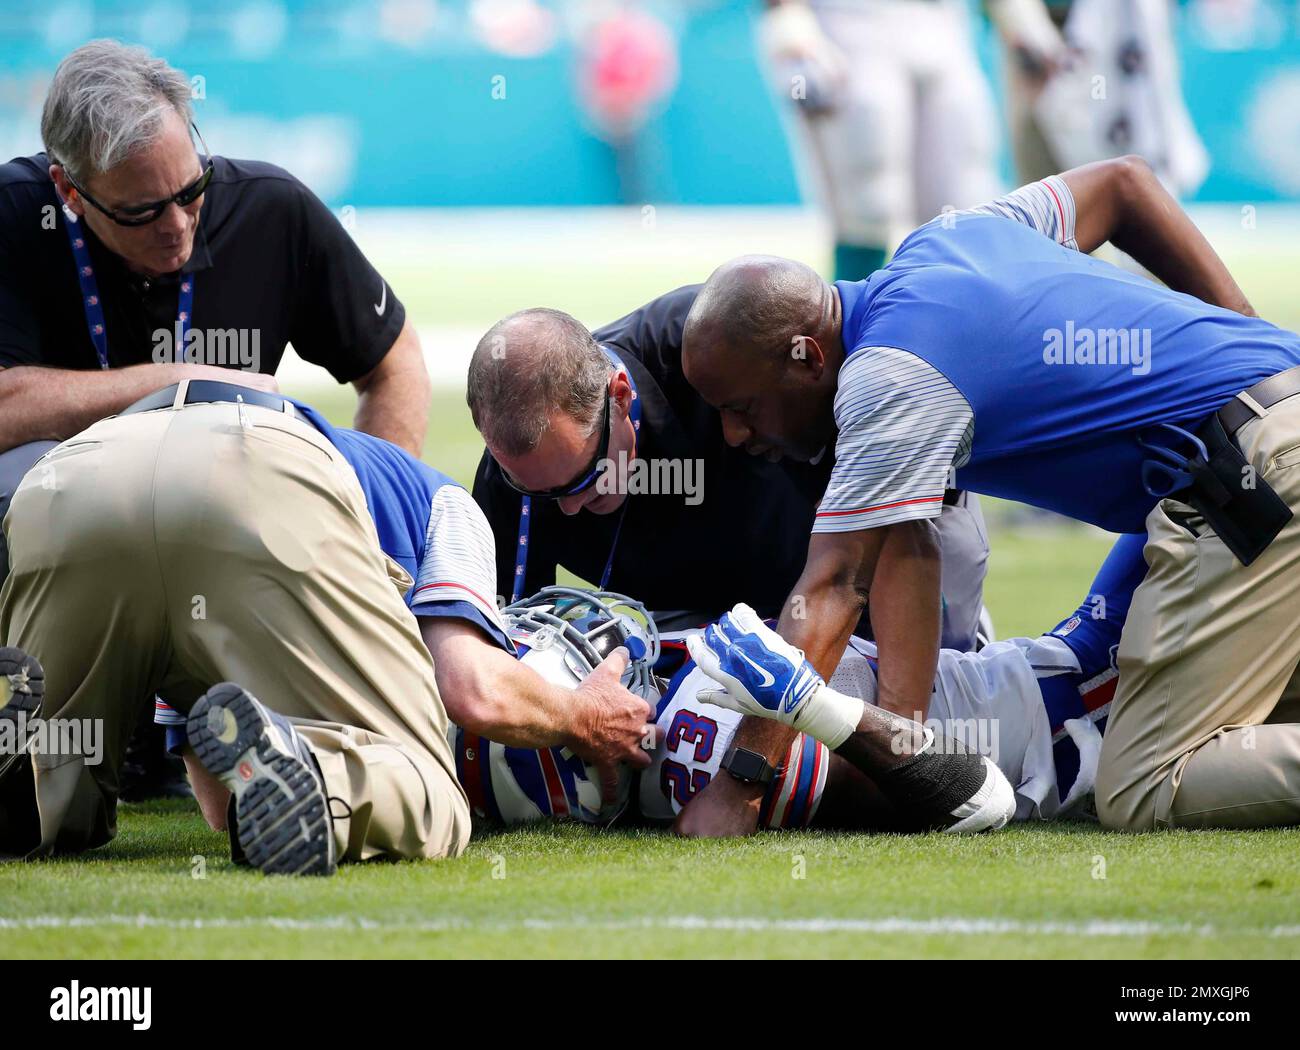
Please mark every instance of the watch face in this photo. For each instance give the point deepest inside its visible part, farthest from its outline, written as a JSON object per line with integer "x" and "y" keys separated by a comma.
{"x": 746, "y": 765}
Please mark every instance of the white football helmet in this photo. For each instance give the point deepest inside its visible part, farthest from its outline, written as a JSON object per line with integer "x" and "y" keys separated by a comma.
{"x": 563, "y": 633}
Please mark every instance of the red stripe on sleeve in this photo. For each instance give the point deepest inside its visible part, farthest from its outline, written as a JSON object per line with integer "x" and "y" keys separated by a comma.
{"x": 1059, "y": 210}
{"x": 878, "y": 506}
{"x": 459, "y": 586}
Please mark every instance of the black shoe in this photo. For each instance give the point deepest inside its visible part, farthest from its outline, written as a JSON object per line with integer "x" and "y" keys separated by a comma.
{"x": 22, "y": 687}
{"x": 281, "y": 809}
{"x": 22, "y": 683}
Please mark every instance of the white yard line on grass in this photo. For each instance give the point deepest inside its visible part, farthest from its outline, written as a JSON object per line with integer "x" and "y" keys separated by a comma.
{"x": 954, "y": 926}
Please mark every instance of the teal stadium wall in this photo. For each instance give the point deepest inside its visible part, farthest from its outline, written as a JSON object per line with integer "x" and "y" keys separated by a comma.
{"x": 373, "y": 110}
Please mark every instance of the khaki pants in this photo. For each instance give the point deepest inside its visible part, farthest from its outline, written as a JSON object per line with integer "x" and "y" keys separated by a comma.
{"x": 167, "y": 551}
{"x": 1203, "y": 728}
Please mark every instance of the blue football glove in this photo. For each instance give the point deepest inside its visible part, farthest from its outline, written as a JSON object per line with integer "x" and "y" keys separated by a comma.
{"x": 764, "y": 675}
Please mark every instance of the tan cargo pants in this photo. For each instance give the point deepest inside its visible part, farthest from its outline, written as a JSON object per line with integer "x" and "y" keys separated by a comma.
{"x": 1204, "y": 731}
{"x": 170, "y": 550}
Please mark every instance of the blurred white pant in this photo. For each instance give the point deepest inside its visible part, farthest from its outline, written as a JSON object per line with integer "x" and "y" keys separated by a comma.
{"x": 1124, "y": 95}
{"x": 914, "y": 130}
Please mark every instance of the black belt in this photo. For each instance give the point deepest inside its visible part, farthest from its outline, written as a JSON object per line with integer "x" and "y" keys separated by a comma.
{"x": 1240, "y": 506}
{"x": 1266, "y": 393}
{"x": 211, "y": 391}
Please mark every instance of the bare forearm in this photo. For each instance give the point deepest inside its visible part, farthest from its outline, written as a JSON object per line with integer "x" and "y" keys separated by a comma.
{"x": 48, "y": 404}
{"x": 1123, "y": 202}
{"x": 394, "y": 398}
{"x": 819, "y": 616}
{"x": 905, "y": 618}
{"x": 396, "y": 413}
{"x": 493, "y": 695}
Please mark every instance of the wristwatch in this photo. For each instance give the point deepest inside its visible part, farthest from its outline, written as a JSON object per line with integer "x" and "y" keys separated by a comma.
{"x": 747, "y": 766}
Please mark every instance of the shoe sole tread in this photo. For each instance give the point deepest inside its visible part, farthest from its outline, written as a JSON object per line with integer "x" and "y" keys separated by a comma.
{"x": 24, "y": 681}
{"x": 281, "y": 810}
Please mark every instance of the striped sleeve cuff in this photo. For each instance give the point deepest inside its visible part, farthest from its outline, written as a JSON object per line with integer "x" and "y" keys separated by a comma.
{"x": 902, "y": 426}
{"x": 166, "y": 715}
{"x": 459, "y": 563}
{"x": 854, "y": 519}
{"x": 448, "y": 598}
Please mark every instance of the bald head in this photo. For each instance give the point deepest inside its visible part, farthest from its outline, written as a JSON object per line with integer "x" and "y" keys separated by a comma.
{"x": 754, "y": 306}
{"x": 528, "y": 366}
{"x": 762, "y": 344}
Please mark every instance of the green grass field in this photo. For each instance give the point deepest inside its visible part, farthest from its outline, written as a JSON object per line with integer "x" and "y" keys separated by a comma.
{"x": 564, "y": 891}
{"x": 165, "y": 888}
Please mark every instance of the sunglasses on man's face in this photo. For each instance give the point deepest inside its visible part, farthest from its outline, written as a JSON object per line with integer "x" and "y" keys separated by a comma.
{"x": 143, "y": 214}
{"x": 582, "y": 481}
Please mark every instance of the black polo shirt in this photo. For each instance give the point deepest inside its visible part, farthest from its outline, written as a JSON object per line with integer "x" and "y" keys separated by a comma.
{"x": 269, "y": 259}
{"x": 747, "y": 540}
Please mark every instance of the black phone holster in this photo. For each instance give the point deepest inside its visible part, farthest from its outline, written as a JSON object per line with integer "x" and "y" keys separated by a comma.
{"x": 1235, "y": 500}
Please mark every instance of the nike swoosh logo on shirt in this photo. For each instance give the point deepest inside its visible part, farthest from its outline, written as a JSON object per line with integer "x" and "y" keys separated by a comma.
{"x": 383, "y": 301}
{"x": 768, "y": 679}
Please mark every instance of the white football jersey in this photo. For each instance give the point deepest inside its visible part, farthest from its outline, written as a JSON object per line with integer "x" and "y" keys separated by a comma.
{"x": 990, "y": 702}
{"x": 694, "y": 737}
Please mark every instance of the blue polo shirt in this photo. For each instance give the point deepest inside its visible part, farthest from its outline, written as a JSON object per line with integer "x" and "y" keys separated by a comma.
{"x": 1028, "y": 365}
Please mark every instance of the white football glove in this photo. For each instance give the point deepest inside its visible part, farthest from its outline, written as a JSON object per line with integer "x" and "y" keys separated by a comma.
{"x": 764, "y": 675}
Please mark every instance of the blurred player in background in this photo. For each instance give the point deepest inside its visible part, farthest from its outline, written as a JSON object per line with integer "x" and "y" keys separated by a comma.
{"x": 894, "y": 118}
{"x": 1091, "y": 79}
{"x": 626, "y": 66}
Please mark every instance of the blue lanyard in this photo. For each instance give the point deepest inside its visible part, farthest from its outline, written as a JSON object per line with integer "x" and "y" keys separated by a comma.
{"x": 94, "y": 306}
{"x": 521, "y": 549}
{"x": 525, "y": 509}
